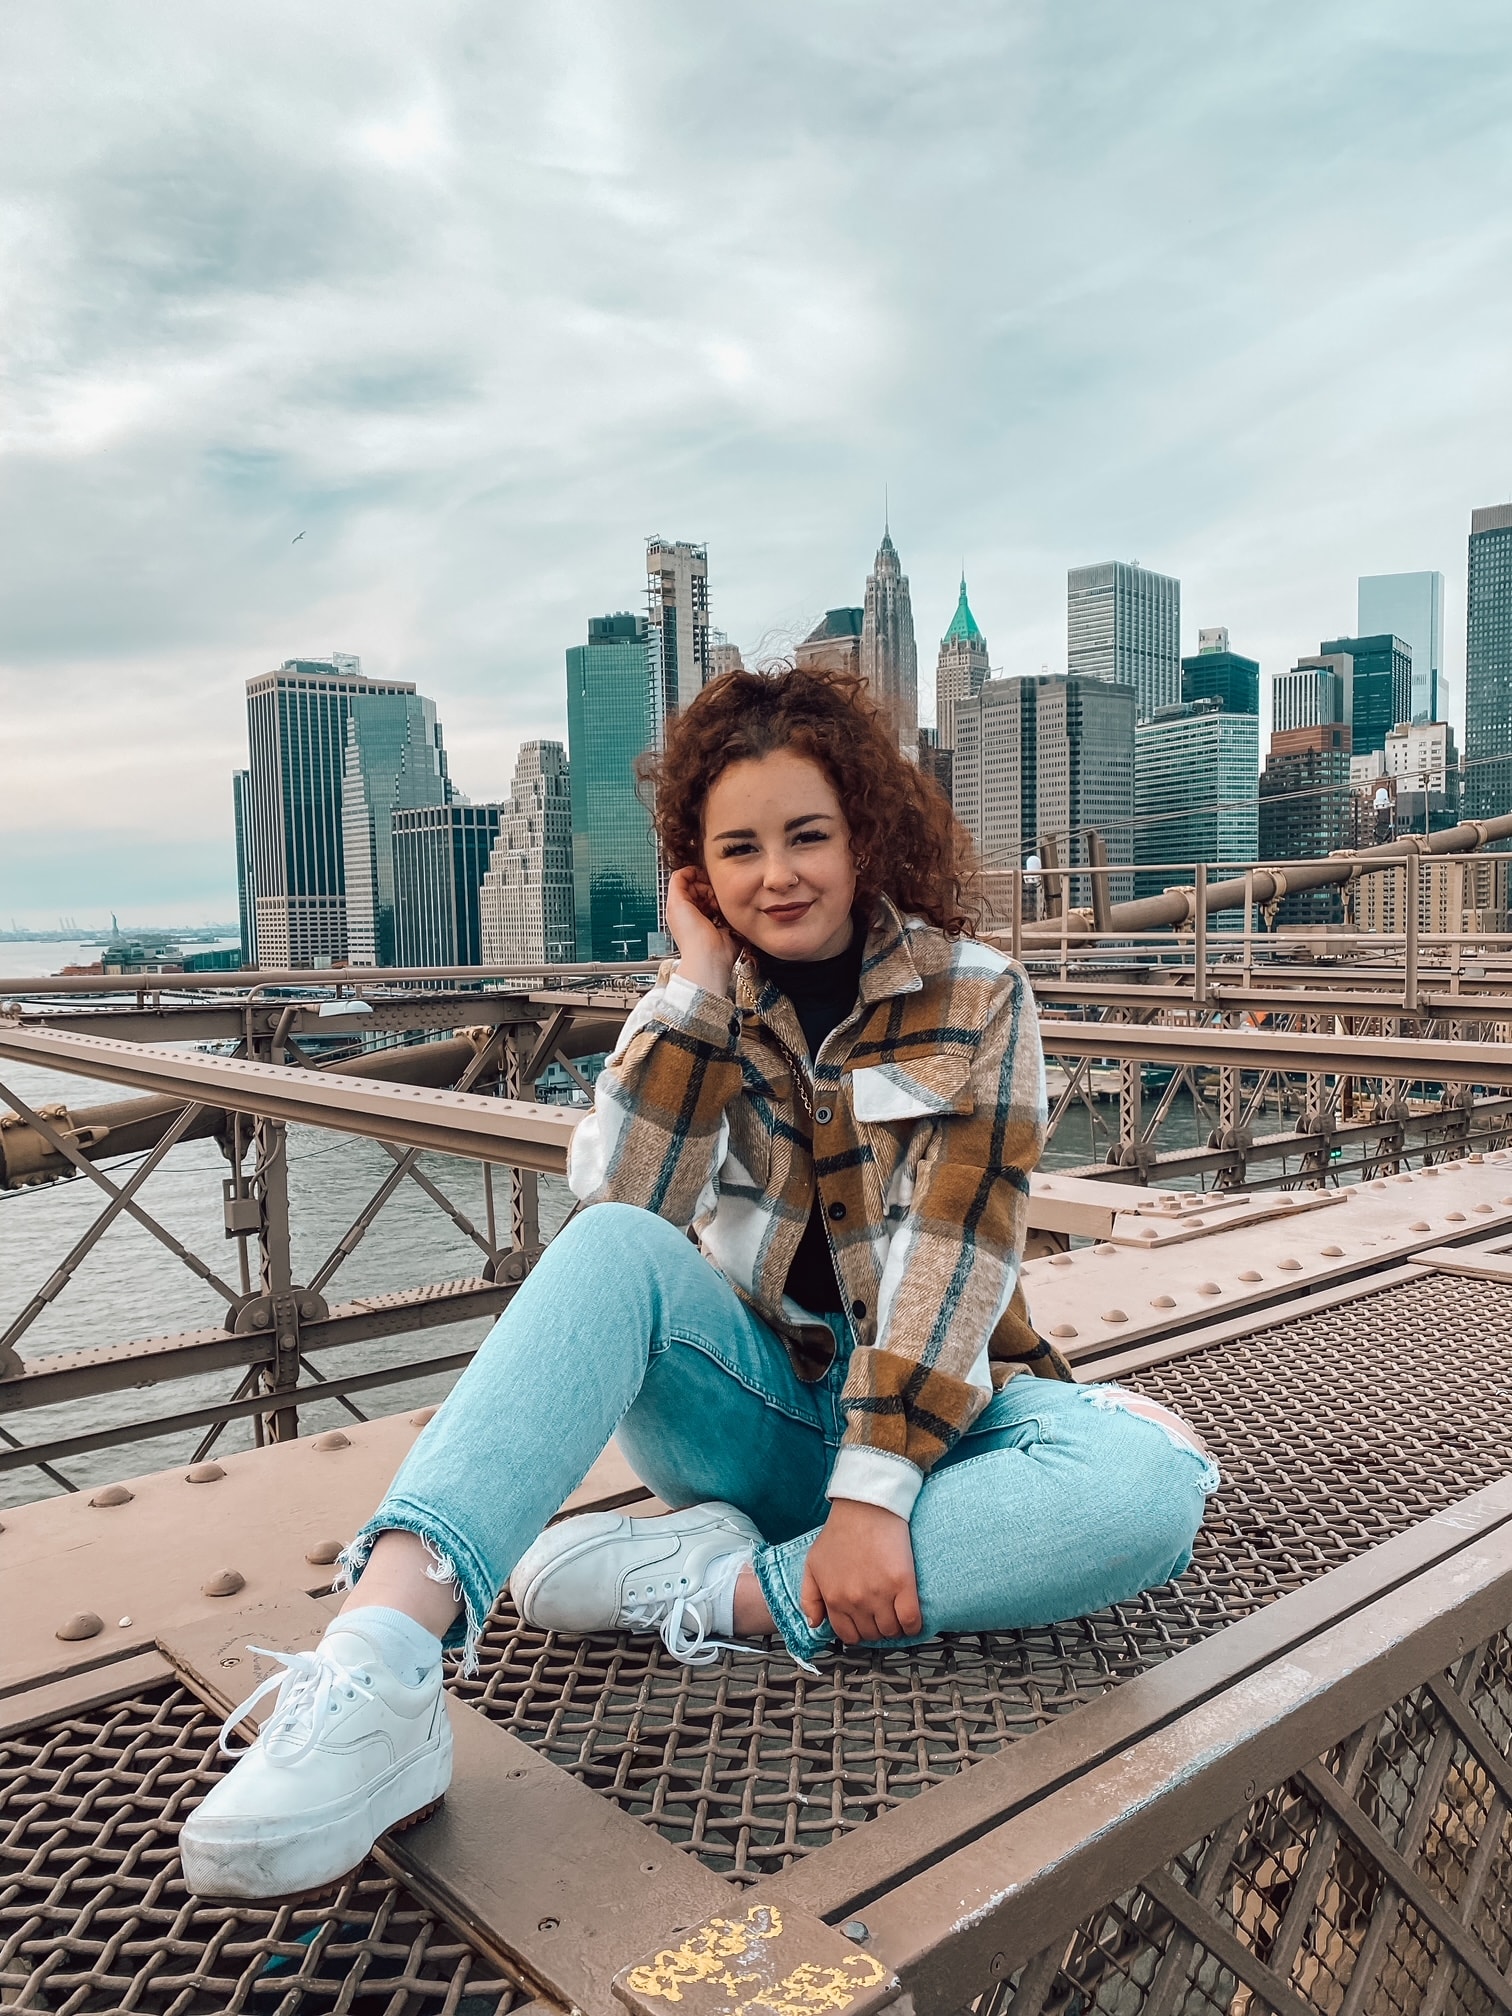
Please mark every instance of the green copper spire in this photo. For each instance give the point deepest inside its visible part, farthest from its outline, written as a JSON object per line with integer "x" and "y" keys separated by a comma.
{"x": 963, "y": 623}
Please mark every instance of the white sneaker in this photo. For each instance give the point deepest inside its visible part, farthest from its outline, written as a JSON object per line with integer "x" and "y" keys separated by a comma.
{"x": 349, "y": 1751}
{"x": 604, "y": 1571}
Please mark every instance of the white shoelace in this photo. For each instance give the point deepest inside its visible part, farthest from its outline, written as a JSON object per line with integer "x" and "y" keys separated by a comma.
{"x": 310, "y": 1687}
{"x": 681, "y": 1625}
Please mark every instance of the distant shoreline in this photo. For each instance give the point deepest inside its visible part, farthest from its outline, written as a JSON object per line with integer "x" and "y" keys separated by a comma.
{"x": 198, "y": 935}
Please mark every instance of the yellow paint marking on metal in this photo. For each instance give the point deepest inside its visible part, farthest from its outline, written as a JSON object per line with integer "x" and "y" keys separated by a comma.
{"x": 704, "y": 1959}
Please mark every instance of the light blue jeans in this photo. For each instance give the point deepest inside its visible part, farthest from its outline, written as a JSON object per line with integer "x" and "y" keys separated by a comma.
{"x": 1058, "y": 1502}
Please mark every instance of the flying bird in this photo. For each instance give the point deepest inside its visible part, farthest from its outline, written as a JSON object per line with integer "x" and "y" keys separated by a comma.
{"x": 296, "y": 539}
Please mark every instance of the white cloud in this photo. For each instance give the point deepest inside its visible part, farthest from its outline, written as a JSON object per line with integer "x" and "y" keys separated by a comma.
{"x": 477, "y": 297}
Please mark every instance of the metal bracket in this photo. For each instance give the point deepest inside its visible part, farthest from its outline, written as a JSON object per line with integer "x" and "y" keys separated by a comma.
{"x": 257, "y": 1313}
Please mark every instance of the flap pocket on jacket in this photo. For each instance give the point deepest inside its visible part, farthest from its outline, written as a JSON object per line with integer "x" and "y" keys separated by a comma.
{"x": 913, "y": 1091}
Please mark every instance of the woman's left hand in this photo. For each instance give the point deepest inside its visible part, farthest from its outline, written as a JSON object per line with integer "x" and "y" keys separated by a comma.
{"x": 860, "y": 1575}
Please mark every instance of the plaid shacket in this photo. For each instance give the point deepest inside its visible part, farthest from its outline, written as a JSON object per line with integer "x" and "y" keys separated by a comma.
{"x": 914, "y": 1132}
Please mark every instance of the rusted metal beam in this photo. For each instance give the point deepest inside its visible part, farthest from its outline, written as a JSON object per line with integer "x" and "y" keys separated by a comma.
{"x": 859, "y": 1866}
{"x": 976, "y": 1914}
{"x": 358, "y": 981}
{"x": 28, "y": 1456}
{"x": 530, "y": 1136}
{"x": 533, "y": 1867}
{"x": 117, "y": 1368}
{"x": 1437, "y": 1062}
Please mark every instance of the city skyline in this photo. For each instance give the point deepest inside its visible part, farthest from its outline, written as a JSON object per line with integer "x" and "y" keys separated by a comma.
{"x": 1210, "y": 639}
{"x": 474, "y": 300}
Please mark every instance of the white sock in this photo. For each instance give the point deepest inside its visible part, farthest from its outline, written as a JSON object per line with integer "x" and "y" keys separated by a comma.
{"x": 719, "y": 1586}
{"x": 407, "y": 1648}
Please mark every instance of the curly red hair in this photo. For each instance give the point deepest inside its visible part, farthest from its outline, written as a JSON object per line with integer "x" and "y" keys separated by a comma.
{"x": 906, "y": 841}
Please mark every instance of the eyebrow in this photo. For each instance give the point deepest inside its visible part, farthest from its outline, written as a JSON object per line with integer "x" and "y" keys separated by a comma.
{"x": 749, "y": 832}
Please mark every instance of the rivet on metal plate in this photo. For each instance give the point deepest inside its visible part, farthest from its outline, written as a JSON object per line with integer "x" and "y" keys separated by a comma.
{"x": 1064, "y": 1330}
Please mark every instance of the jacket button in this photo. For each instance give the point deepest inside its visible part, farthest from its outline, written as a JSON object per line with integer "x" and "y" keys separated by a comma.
{"x": 823, "y": 1115}
{"x": 858, "y": 1309}
{"x": 837, "y": 1211}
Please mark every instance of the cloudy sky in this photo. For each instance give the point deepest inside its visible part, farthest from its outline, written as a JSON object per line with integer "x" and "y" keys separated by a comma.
{"x": 476, "y": 296}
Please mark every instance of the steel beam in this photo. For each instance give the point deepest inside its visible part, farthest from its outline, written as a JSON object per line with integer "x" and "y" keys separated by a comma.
{"x": 287, "y": 1399}
{"x": 527, "y": 1135}
{"x": 1414, "y": 1061}
{"x": 975, "y": 1914}
{"x": 118, "y": 1368}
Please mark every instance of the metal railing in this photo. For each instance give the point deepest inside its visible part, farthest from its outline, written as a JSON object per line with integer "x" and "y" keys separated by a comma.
{"x": 1168, "y": 1063}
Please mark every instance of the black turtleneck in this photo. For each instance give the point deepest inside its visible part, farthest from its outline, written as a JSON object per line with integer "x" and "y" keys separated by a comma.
{"x": 823, "y": 993}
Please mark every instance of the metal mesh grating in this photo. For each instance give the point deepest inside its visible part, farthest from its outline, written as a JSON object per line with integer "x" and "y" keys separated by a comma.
{"x": 1334, "y": 1430}
{"x": 1289, "y": 1906}
{"x": 94, "y": 1915}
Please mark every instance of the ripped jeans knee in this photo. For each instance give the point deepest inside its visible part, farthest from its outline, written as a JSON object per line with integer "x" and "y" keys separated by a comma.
{"x": 1176, "y": 1431}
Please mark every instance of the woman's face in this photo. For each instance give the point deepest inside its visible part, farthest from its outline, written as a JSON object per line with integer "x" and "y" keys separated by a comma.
{"x": 777, "y": 856}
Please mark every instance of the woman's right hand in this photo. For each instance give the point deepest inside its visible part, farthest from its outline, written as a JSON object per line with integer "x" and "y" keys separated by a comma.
{"x": 707, "y": 947}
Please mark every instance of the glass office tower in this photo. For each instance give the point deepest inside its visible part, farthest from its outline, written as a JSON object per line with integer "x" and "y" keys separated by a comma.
{"x": 394, "y": 762}
{"x": 611, "y": 719}
{"x": 1195, "y": 771}
{"x": 1382, "y": 686}
{"x": 1488, "y": 665}
{"x": 441, "y": 855}
{"x": 1409, "y": 606}
{"x": 1123, "y": 623}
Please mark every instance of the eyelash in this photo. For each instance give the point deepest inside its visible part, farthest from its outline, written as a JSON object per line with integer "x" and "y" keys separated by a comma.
{"x": 812, "y": 835}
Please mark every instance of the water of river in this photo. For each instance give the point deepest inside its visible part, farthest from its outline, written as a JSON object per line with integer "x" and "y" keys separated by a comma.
{"x": 130, "y": 1286}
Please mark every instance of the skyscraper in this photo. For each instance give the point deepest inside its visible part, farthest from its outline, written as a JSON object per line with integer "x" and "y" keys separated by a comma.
{"x": 723, "y": 655}
{"x": 394, "y": 761}
{"x": 936, "y": 762}
{"x": 1084, "y": 770}
{"x": 1409, "y": 606}
{"x": 1123, "y": 623}
{"x": 1194, "y": 790}
{"x": 1488, "y": 665}
{"x": 297, "y": 735}
{"x": 246, "y": 898}
{"x": 1381, "y": 686}
{"x": 528, "y": 916}
{"x": 994, "y": 778}
{"x": 1305, "y": 799}
{"x": 1315, "y": 699}
{"x": 1218, "y": 673}
{"x": 611, "y": 719}
{"x": 961, "y": 669}
{"x": 1047, "y": 756}
{"x": 1421, "y": 760}
{"x": 889, "y": 655}
{"x": 835, "y": 644}
{"x": 677, "y": 621}
{"x": 441, "y": 855}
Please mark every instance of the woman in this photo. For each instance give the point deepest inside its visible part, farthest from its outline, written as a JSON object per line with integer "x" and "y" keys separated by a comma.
{"x": 841, "y": 1094}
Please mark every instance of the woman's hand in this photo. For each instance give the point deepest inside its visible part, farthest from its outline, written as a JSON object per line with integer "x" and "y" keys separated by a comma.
{"x": 707, "y": 947}
{"x": 860, "y": 1574}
